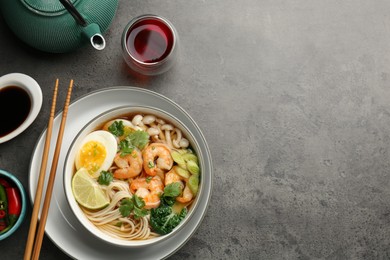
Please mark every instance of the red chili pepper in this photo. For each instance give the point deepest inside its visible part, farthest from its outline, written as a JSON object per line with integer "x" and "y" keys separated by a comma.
{"x": 3, "y": 224}
{"x": 4, "y": 183}
{"x": 2, "y": 214}
{"x": 14, "y": 205}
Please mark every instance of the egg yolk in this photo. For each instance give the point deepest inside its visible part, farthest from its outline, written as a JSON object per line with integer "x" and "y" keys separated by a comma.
{"x": 92, "y": 156}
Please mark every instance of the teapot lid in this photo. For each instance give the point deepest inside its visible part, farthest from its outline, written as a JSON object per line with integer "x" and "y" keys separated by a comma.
{"x": 46, "y": 6}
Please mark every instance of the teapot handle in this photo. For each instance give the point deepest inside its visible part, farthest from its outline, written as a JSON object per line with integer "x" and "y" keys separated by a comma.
{"x": 73, "y": 11}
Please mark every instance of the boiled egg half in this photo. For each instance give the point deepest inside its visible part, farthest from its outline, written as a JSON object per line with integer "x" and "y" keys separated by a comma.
{"x": 97, "y": 152}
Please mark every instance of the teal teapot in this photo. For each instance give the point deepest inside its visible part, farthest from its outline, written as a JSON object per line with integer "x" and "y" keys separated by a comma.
{"x": 59, "y": 26}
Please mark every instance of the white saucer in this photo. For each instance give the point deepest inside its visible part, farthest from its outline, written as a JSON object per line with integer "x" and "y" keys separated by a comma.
{"x": 31, "y": 86}
{"x": 62, "y": 226}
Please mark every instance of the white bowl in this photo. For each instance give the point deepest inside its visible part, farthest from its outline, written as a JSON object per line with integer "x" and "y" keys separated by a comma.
{"x": 69, "y": 170}
{"x": 34, "y": 91}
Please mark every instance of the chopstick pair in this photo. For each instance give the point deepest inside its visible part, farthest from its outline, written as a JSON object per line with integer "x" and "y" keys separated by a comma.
{"x": 34, "y": 240}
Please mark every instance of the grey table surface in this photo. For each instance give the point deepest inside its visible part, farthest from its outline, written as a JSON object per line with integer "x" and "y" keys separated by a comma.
{"x": 293, "y": 98}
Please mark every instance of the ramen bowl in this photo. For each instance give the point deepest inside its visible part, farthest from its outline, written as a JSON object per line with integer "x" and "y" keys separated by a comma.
{"x": 16, "y": 200}
{"x": 70, "y": 168}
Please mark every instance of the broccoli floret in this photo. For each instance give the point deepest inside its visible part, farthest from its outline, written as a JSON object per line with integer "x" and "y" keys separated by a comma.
{"x": 163, "y": 220}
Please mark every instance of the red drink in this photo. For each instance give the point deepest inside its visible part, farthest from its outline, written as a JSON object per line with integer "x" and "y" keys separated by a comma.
{"x": 149, "y": 44}
{"x": 150, "y": 40}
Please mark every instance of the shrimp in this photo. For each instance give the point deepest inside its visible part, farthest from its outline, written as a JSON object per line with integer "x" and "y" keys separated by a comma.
{"x": 149, "y": 190}
{"x": 129, "y": 166}
{"x": 157, "y": 159}
{"x": 172, "y": 177}
{"x": 186, "y": 196}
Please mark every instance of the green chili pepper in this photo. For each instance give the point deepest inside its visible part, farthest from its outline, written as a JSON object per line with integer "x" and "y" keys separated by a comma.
{"x": 3, "y": 198}
{"x": 3, "y": 209}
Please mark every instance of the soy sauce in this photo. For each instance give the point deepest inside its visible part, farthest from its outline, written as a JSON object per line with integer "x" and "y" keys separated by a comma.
{"x": 150, "y": 40}
{"x": 15, "y": 105}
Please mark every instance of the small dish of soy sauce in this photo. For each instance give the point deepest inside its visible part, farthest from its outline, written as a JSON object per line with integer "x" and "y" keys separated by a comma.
{"x": 20, "y": 103}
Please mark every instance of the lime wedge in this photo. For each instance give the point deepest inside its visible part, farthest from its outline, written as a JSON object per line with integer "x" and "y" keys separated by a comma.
{"x": 87, "y": 191}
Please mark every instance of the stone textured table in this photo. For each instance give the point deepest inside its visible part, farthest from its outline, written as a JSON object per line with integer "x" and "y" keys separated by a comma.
{"x": 293, "y": 98}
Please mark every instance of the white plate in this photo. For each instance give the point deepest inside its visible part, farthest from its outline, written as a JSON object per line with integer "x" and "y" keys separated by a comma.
{"x": 62, "y": 226}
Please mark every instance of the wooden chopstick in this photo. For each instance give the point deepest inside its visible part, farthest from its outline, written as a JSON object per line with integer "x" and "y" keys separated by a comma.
{"x": 50, "y": 185}
{"x": 38, "y": 193}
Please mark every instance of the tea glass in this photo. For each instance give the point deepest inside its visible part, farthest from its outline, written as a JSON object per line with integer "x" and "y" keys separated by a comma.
{"x": 150, "y": 44}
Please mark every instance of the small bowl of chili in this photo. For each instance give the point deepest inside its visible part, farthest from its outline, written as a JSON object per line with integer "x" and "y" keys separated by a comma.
{"x": 12, "y": 204}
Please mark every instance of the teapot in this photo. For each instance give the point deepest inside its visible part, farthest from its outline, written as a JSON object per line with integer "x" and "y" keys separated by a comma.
{"x": 59, "y": 26}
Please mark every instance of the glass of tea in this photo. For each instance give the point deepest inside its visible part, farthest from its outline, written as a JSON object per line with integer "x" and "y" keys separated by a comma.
{"x": 150, "y": 44}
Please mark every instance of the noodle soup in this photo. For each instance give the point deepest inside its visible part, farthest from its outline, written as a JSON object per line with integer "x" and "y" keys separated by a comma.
{"x": 133, "y": 176}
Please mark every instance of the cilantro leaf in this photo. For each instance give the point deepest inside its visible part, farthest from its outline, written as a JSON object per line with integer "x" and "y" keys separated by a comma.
{"x": 125, "y": 147}
{"x": 139, "y": 213}
{"x": 138, "y": 138}
{"x": 119, "y": 224}
{"x": 116, "y": 128}
{"x": 105, "y": 178}
{"x": 126, "y": 207}
{"x": 172, "y": 189}
{"x": 133, "y": 205}
{"x": 135, "y": 139}
{"x": 138, "y": 202}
